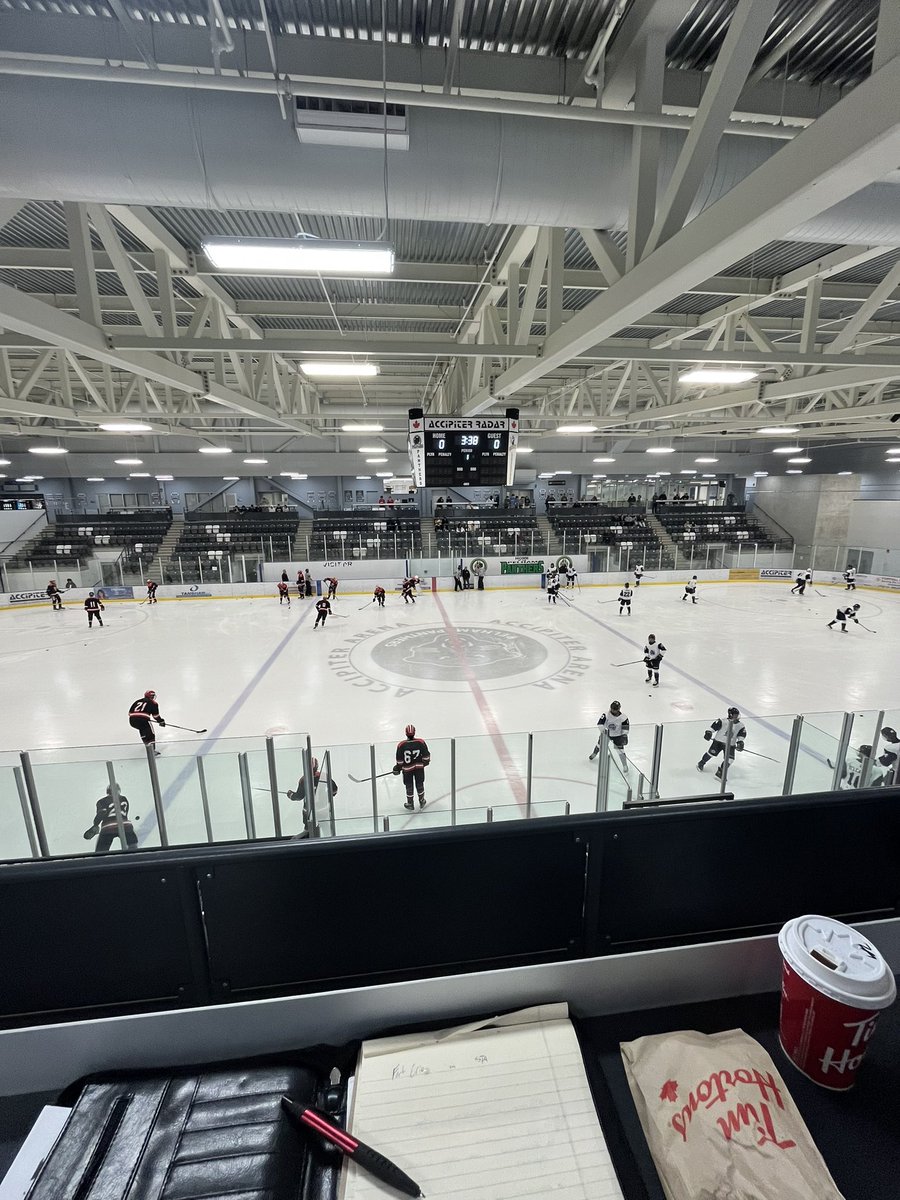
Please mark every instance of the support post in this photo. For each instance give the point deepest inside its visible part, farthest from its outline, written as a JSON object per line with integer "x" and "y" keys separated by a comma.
{"x": 330, "y": 797}
{"x": 372, "y": 771}
{"x": 26, "y": 814}
{"x": 868, "y": 760}
{"x": 273, "y": 784}
{"x": 793, "y": 751}
{"x": 157, "y": 794}
{"x": 657, "y": 761}
{"x": 247, "y": 797}
{"x": 310, "y": 786}
{"x": 843, "y": 746}
{"x": 204, "y": 799}
{"x": 31, "y": 789}
{"x": 603, "y": 771}
{"x": 490, "y": 816}
{"x": 529, "y": 774}
{"x": 453, "y": 781}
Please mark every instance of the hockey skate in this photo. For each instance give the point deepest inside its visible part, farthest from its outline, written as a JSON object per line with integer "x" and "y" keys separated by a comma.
{"x": 409, "y": 805}
{"x": 422, "y": 802}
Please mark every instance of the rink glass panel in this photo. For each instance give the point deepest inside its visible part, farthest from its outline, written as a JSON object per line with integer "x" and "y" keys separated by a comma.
{"x": 13, "y": 834}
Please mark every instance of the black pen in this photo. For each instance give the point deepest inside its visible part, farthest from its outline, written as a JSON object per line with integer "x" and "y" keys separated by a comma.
{"x": 367, "y": 1158}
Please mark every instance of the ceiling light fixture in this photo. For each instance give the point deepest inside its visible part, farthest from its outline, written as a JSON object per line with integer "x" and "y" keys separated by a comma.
{"x": 524, "y": 450}
{"x": 376, "y": 460}
{"x": 371, "y": 449}
{"x": 604, "y": 460}
{"x": 717, "y": 375}
{"x": 256, "y": 461}
{"x": 310, "y": 255}
{"x": 799, "y": 460}
{"x": 688, "y": 471}
{"x": 760, "y": 474}
{"x": 658, "y": 450}
{"x": 339, "y": 370}
{"x": 787, "y": 450}
{"x": 795, "y": 471}
{"x": 95, "y": 479}
{"x": 845, "y": 472}
{"x": 214, "y": 449}
{"x": 778, "y": 429}
{"x": 576, "y": 429}
{"x": 139, "y": 475}
{"x": 706, "y": 460}
{"x": 47, "y": 450}
{"x": 164, "y": 478}
{"x": 5, "y": 462}
{"x": 129, "y": 462}
{"x": 230, "y": 478}
{"x": 364, "y": 477}
{"x": 384, "y": 474}
{"x": 125, "y": 427}
{"x": 362, "y": 428}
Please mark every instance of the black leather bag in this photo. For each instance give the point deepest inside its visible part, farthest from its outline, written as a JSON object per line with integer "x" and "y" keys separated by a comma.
{"x": 208, "y": 1133}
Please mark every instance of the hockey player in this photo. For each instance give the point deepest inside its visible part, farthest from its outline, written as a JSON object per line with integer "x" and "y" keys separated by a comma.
{"x": 552, "y": 574}
{"x": 690, "y": 589}
{"x": 552, "y": 590}
{"x": 653, "y": 656}
{"x": 411, "y": 759}
{"x": 332, "y": 588}
{"x": 889, "y": 758}
{"x": 850, "y": 579}
{"x": 807, "y": 575}
{"x": 307, "y": 579}
{"x": 457, "y": 580}
{"x": 723, "y": 730}
{"x": 107, "y": 826}
{"x": 799, "y": 583}
{"x": 299, "y": 795}
{"x": 625, "y": 594}
{"x": 142, "y": 715}
{"x": 378, "y": 597}
{"x": 571, "y": 576}
{"x": 617, "y": 725}
{"x": 323, "y": 610}
{"x": 408, "y": 591}
{"x": 844, "y": 615}
{"x": 301, "y": 585}
{"x": 638, "y": 574}
{"x": 55, "y": 596}
{"x": 151, "y": 592}
{"x": 93, "y": 608}
{"x": 283, "y": 594}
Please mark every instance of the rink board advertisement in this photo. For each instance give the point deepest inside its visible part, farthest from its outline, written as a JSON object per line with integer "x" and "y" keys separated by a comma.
{"x": 340, "y": 568}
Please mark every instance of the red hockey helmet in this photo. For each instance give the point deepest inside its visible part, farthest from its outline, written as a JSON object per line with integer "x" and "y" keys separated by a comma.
{"x": 150, "y": 695}
{"x": 410, "y": 731}
{"x": 315, "y": 766}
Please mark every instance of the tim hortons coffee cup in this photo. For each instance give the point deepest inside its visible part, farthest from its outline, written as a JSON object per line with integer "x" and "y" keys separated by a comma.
{"x": 834, "y": 983}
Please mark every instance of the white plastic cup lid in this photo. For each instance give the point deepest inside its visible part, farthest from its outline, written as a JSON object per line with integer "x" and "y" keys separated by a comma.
{"x": 837, "y": 961}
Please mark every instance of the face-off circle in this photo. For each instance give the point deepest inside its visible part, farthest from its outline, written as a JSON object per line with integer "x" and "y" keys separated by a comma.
{"x": 438, "y": 659}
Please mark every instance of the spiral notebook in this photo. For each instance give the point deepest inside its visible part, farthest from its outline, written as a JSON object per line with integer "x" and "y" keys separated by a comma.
{"x": 497, "y": 1110}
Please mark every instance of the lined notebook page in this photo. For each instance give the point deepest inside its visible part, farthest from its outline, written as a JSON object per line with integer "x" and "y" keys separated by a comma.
{"x": 487, "y": 1113}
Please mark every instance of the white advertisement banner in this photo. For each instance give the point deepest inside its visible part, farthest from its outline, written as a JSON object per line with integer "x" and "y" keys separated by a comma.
{"x": 775, "y": 573}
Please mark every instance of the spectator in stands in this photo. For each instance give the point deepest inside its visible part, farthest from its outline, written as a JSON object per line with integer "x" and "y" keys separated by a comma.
{"x": 70, "y": 583}
{"x": 381, "y": 501}
{"x": 284, "y": 577}
{"x": 663, "y": 497}
{"x": 632, "y": 499}
{"x": 730, "y": 500}
{"x": 506, "y": 501}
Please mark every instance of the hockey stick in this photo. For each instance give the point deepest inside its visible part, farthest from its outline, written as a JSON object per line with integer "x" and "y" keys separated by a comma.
{"x": 630, "y": 663}
{"x": 186, "y": 728}
{"x": 866, "y": 627}
{"x": 818, "y": 593}
{"x": 369, "y": 778}
{"x": 756, "y": 754}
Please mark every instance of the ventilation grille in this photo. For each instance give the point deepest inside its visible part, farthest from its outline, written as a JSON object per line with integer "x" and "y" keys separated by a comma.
{"x": 360, "y": 123}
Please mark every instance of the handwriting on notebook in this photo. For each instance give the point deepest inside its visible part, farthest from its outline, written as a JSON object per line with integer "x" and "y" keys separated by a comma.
{"x": 483, "y": 1113}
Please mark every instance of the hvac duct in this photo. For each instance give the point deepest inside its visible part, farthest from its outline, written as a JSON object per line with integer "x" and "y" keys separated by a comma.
{"x": 119, "y": 144}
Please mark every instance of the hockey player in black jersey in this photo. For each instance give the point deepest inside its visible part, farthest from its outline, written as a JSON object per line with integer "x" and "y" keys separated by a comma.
{"x": 299, "y": 795}
{"x": 55, "y": 595}
{"x": 107, "y": 826}
{"x": 625, "y": 594}
{"x": 718, "y": 737}
{"x": 142, "y": 716}
{"x": 93, "y": 608}
{"x": 323, "y": 610}
{"x": 843, "y": 615}
{"x": 411, "y": 759}
{"x": 653, "y": 656}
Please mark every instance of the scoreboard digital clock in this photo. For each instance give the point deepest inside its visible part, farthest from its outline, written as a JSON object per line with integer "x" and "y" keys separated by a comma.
{"x": 463, "y": 451}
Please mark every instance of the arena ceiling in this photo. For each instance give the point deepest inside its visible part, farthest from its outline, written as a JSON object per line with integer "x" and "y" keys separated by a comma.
{"x": 594, "y": 197}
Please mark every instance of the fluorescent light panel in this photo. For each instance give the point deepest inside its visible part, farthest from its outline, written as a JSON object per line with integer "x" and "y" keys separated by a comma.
{"x": 128, "y": 462}
{"x": 215, "y": 449}
{"x": 705, "y": 460}
{"x": 339, "y": 370}
{"x": 256, "y": 461}
{"x": 47, "y": 450}
{"x": 778, "y": 429}
{"x": 300, "y": 254}
{"x": 362, "y": 428}
{"x": 787, "y": 450}
{"x": 658, "y": 450}
{"x": 576, "y": 429}
{"x": 717, "y": 375}
{"x": 125, "y": 427}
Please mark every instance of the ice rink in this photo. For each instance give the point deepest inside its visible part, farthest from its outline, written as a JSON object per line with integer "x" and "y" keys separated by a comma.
{"x": 484, "y": 666}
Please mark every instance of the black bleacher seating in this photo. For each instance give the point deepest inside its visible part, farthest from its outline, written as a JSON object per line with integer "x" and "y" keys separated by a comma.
{"x": 222, "y": 534}
{"x": 602, "y": 525}
{"x": 701, "y": 525}
{"x": 389, "y": 532}
{"x": 509, "y": 531}
{"x": 76, "y": 536}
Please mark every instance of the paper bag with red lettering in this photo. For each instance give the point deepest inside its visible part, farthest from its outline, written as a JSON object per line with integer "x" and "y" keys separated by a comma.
{"x": 719, "y": 1120}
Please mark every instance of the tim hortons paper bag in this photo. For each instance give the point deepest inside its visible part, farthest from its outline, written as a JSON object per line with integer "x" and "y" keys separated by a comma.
{"x": 719, "y": 1121}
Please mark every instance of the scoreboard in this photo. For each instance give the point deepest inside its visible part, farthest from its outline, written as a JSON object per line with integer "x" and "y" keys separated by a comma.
{"x": 463, "y": 451}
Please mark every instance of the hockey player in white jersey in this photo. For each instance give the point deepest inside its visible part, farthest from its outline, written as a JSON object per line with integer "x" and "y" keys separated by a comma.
{"x": 730, "y": 731}
{"x": 638, "y": 574}
{"x": 850, "y": 579}
{"x": 690, "y": 590}
{"x": 844, "y": 614}
{"x": 653, "y": 656}
{"x": 625, "y": 596}
{"x": 617, "y": 725}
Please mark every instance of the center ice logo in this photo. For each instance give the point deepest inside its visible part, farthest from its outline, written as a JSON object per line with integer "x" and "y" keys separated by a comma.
{"x": 436, "y": 654}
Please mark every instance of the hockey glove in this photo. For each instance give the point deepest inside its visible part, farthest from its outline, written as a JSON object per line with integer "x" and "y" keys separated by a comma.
{"x": 646, "y": 662}
{"x": 160, "y": 721}
{"x": 103, "y": 608}
{"x": 89, "y": 834}
{"x": 396, "y": 768}
{"x": 290, "y": 795}
{"x": 426, "y": 762}
{"x": 707, "y": 733}
{"x": 739, "y": 744}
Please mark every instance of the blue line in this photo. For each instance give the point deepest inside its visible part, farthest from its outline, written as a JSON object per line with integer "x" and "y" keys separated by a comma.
{"x": 231, "y": 712}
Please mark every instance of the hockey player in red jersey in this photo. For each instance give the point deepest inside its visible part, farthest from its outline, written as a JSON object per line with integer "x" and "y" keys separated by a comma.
{"x": 142, "y": 715}
{"x": 93, "y": 608}
{"x": 408, "y": 590}
{"x": 378, "y": 596}
{"x": 412, "y": 757}
{"x": 283, "y": 594}
{"x": 332, "y": 588}
{"x": 151, "y": 592}
{"x": 323, "y": 610}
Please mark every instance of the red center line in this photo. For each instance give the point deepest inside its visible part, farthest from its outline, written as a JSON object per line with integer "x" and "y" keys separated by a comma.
{"x": 513, "y": 778}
